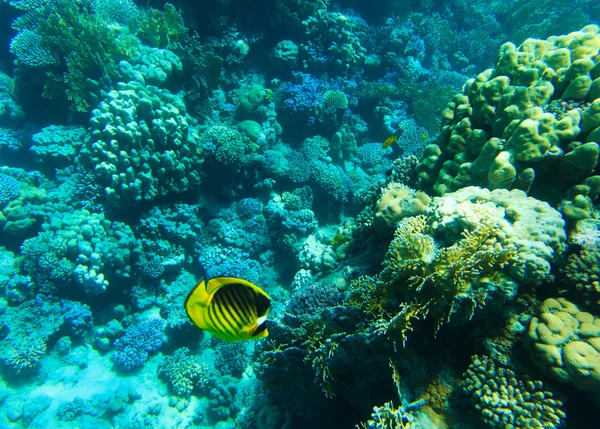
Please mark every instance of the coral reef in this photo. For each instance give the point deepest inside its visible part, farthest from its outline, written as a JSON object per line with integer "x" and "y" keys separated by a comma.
{"x": 183, "y": 371}
{"x": 141, "y": 145}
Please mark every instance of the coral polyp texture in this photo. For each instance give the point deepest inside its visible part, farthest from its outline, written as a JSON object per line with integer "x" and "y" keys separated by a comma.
{"x": 142, "y": 145}
{"x": 506, "y": 401}
{"x": 564, "y": 341}
{"x": 396, "y": 201}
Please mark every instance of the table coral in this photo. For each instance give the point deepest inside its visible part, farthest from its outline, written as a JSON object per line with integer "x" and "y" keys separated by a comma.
{"x": 506, "y": 401}
{"x": 565, "y": 342}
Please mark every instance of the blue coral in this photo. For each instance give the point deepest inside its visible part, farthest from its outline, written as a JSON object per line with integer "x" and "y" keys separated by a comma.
{"x": 78, "y": 317}
{"x": 371, "y": 154}
{"x": 133, "y": 348}
{"x": 228, "y": 261}
{"x": 9, "y": 189}
{"x": 243, "y": 226}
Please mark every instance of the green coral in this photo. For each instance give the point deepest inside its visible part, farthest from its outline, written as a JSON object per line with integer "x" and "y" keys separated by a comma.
{"x": 183, "y": 371}
{"x": 582, "y": 270}
{"x": 506, "y": 401}
{"x": 142, "y": 145}
{"x": 76, "y": 48}
{"x": 25, "y": 356}
{"x": 512, "y": 125}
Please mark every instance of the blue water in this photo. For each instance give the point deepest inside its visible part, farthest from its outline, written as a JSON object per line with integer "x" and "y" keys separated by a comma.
{"x": 414, "y": 184}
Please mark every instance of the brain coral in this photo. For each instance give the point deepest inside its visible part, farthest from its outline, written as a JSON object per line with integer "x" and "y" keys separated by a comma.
{"x": 141, "y": 145}
{"x": 525, "y": 124}
{"x": 565, "y": 342}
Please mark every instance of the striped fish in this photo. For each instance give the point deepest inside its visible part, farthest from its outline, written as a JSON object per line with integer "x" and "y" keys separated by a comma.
{"x": 231, "y": 309}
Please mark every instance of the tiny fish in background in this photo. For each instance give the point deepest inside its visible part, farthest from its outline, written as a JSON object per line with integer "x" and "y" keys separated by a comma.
{"x": 337, "y": 239}
{"x": 230, "y": 308}
{"x": 393, "y": 138}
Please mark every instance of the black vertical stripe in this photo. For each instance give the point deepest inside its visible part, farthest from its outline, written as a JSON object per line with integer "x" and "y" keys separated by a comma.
{"x": 228, "y": 314}
{"x": 239, "y": 304}
{"x": 234, "y": 310}
{"x": 246, "y": 302}
{"x": 216, "y": 321}
{"x": 231, "y": 325}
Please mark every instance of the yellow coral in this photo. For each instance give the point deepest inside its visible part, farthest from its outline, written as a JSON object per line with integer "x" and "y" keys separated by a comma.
{"x": 565, "y": 342}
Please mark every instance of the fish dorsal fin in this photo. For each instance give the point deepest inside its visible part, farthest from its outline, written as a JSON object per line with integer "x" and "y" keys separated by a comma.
{"x": 199, "y": 289}
{"x": 217, "y": 283}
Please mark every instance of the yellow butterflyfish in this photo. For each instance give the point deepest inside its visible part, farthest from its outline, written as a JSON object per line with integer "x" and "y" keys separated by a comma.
{"x": 230, "y": 308}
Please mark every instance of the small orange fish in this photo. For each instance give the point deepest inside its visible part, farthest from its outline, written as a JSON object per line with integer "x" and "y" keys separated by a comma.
{"x": 392, "y": 139}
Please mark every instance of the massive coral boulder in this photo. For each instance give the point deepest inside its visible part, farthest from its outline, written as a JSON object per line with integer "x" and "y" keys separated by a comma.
{"x": 471, "y": 249}
{"x": 142, "y": 145}
{"x": 531, "y": 123}
{"x": 565, "y": 342}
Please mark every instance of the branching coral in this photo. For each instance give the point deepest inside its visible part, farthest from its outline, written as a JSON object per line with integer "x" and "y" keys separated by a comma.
{"x": 26, "y": 356}
{"x": 132, "y": 349}
{"x": 449, "y": 280}
{"x": 184, "y": 372}
{"x": 506, "y": 401}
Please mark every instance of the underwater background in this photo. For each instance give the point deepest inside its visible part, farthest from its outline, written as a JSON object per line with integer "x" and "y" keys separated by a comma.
{"x": 414, "y": 184}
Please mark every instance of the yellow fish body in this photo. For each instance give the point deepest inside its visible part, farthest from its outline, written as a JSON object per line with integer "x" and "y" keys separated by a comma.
{"x": 390, "y": 141}
{"x": 338, "y": 238}
{"x": 393, "y": 138}
{"x": 230, "y": 308}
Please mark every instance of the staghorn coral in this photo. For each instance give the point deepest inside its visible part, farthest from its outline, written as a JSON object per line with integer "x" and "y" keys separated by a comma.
{"x": 506, "y": 401}
{"x": 565, "y": 342}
